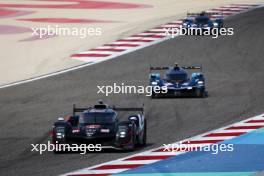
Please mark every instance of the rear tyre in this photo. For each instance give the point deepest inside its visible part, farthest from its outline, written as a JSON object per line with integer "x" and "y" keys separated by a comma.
{"x": 56, "y": 143}
{"x": 145, "y": 133}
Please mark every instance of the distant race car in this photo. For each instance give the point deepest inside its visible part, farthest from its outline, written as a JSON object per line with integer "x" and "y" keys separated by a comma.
{"x": 100, "y": 124}
{"x": 177, "y": 82}
{"x": 203, "y": 20}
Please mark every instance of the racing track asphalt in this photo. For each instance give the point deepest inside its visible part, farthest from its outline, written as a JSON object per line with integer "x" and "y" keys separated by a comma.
{"x": 233, "y": 67}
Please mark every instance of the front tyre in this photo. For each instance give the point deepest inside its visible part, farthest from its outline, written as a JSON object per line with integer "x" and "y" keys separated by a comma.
{"x": 133, "y": 141}
{"x": 153, "y": 95}
{"x": 199, "y": 93}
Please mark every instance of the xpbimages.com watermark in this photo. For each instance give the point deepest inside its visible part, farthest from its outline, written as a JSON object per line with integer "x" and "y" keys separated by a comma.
{"x": 82, "y": 32}
{"x": 207, "y": 31}
{"x": 131, "y": 89}
{"x": 51, "y": 147}
{"x": 187, "y": 147}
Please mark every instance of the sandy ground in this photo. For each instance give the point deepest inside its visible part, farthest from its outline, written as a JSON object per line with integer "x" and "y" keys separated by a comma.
{"x": 26, "y": 59}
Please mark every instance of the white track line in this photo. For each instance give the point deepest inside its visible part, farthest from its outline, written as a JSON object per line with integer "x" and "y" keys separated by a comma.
{"x": 105, "y": 168}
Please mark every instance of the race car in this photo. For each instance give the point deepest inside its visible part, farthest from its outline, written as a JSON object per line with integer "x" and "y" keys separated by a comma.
{"x": 203, "y": 20}
{"x": 177, "y": 82}
{"x": 100, "y": 124}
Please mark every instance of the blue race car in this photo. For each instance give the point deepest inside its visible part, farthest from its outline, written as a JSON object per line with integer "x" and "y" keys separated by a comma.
{"x": 177, "y": 82}
{"x": 203, "y": 20}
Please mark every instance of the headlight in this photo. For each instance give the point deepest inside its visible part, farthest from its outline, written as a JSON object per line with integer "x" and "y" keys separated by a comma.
{"x": 168, "y": 84}
{"x": 215, "y": 24}
{"x": 59, "y": 135}
{"x": 122, "y": 134}
{"x": 189, "y": 88}
{"x": 200, "y": 82}
{"x": 154, "y": 83}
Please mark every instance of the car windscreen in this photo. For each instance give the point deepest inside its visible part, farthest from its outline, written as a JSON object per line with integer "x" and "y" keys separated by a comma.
{"x": 202, "y": 19}
{"x": 177, "y": 77}
{"x": 97, "y": 118}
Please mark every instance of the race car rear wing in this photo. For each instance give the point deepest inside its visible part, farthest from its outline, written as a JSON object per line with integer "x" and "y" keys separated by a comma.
{"x": 159, "y": 68}
{"x": 129, "y": 109}
{"x": 192, "y": 67}
{"x": 206, "y": 13}
{"x": 139, "y": 109}
{"x": 74, "y": 109}
{"x": 184, "y": 67}
{"x": 102, "y": 106}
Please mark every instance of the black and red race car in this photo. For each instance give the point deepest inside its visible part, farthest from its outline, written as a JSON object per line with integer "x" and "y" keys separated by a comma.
{"x": 100, "y": 124}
